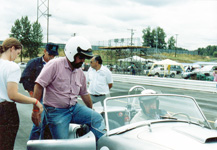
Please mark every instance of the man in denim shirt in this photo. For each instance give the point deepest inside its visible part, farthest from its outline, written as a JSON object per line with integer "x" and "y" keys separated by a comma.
{"x": 29, "y": 75}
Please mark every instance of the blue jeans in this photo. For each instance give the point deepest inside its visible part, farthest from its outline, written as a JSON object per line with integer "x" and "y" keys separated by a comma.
{"x": 38, "y": 132}
{"x": 60, "y": 118}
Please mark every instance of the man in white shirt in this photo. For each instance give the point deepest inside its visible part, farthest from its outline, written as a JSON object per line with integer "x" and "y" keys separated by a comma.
{"x": 99, "y": 79}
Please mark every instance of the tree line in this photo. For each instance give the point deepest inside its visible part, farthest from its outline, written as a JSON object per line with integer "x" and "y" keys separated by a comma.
{"x": 208, "y": 51}
{"x": 155, "y": 38}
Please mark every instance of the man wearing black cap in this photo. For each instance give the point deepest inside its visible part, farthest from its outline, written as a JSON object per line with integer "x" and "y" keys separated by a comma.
{"x": 29, "y": 75}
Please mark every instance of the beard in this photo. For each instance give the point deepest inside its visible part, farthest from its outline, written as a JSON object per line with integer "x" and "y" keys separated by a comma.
{"x": 76, "y": 65}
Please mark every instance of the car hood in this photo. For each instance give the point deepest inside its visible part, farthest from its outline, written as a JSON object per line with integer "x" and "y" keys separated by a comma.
{"x": 163, "y": 136}
{"x": 181, "y": 137}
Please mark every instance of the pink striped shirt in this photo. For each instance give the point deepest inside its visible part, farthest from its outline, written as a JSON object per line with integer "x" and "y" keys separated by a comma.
{"x": 61, "y": 85}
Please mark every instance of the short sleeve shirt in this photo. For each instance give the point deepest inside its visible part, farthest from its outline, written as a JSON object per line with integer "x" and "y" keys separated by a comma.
{"x": 61, "y": 85}
{"x": 9, "y": 72}
{"x": 99, "y": 80}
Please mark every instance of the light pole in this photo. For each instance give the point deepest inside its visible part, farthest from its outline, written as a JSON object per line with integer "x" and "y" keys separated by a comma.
{"x": 176, "y": 44}
{"x": 156, "y": 40}
{"x": 132, "y": 33}
{"x": 74, "y": 34}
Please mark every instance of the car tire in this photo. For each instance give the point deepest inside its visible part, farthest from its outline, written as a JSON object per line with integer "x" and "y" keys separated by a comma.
{"x": 157, "y": 74}
{"x": 172, "y": 75}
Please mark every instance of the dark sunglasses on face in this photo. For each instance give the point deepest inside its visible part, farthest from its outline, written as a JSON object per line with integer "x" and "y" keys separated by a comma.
{"x": 81, "y": 56}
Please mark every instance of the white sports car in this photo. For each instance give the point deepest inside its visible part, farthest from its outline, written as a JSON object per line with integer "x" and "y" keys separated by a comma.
{"x": 176, "y": 122}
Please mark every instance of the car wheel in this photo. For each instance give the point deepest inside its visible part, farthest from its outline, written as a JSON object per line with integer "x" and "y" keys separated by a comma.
{"x": 172, "y": 75}
{"x": 157, "y": 74}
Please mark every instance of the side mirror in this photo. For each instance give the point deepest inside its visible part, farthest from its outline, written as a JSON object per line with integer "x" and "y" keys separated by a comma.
{"x": 215, "y": 124}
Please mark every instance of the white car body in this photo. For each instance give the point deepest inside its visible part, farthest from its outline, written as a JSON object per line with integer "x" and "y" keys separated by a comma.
{"x": 159, "y": 71}
{"x": 206, "y": 70}
{"x": 180, "y": 125}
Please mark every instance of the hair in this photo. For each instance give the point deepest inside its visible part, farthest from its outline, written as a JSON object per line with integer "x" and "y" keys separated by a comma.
{"x": 99, "y": 59}
{"x": 8, "y": 43}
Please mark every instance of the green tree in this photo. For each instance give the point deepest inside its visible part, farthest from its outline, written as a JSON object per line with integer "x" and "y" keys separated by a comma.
{"x": 161, "y": 35}
{"x": 147, "y": 37}
{"x": 36, "y": 40}
{"x": 215, "y": 54}
{"x": 154, "y": 38}
{"x": 208, "y": 51}
{"x": 171, "y": 42}
{"x": 30, "y": 35}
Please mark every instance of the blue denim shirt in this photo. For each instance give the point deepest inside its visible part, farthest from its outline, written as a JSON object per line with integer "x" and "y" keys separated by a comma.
{"x": 31, "y": 72}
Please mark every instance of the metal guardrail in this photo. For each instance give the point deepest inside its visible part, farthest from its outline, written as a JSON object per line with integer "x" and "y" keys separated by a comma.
{"x": 208, "y": 86}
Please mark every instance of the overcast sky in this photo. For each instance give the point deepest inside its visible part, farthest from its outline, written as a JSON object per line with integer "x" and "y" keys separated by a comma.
{"x": 194, "y": 21}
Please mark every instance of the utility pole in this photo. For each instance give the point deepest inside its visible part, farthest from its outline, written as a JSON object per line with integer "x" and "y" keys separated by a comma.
{"x": 43, "y": 10}
{"x": 74, "y": 34}
{"x": 156, "y": 40}
{"x": 131, "y": 39}
{"x": 176, "y": 44}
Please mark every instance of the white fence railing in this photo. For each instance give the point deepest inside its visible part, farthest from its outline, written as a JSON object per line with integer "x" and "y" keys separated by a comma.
{"x": 208, "y": 86}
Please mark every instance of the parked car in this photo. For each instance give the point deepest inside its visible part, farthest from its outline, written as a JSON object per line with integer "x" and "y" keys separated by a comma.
{"x": 206, "y": 70}
{"x": 190, "y": 71}
{"x": 178, "y": 69}
{"x": 159, "y": 71}
{"x": 183, "y": 126}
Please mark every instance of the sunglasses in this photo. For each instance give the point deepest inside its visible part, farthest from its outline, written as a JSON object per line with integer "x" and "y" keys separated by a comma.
{"x": 81, "y": 56}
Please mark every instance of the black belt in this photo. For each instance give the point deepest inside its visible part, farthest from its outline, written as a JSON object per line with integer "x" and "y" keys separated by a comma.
{"x": 98, "y": 95}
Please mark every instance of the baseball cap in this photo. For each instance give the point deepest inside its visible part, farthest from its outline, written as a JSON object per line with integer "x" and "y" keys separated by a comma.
{"x": 52, "y": 49}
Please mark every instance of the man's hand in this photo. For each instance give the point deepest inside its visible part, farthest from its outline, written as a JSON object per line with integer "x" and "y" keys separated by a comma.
{"x": 87, "y": 100}
{"x": 36, "y": 118}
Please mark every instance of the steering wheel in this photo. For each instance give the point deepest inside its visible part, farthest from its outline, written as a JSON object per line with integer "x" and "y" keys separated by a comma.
{"x": 176, "y": 114}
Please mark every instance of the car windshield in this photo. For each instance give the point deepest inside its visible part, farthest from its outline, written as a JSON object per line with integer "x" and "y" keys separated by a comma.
{"x": 132, "y": 110}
